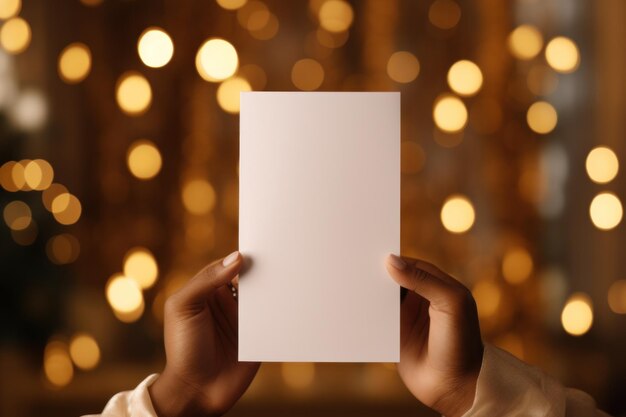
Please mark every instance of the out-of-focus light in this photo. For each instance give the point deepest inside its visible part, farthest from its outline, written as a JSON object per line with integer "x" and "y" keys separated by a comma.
{"x": 27, "y": 236}
{"x": 17, "y": 215}
{"x": 602, "y": 165}
{"x": 606, "y": 211}
{"x": 216, "y": 60}
{"x": 91, "y": 3}
{"x": 307, "y": 74}
{"x": 488, "y": 297}
{"x": 449, "y": 113}
{"x": 133, "y": 93}
{"x": 84, "y": 351}
{"x": 123, "y": 294}
{"x": 255, "y": 75}
{"x": 541, "y": 117}
{"x": 155, "y": 47}
{"x": 38, "y": 174}
{"x": 562, "y": 54}
{"x": 144, "y": 159}
{"x": 15, "y": 35}
{"x": 231, "y": 4}
{"x": 140, "y": 265}
{"x": 465, "y": 78}
{"x": 541, "y": 80}
{"x": 298, "y": 375}
{"x": 30, "y": 111}
{"x": 412, "y": 157}
{"x": 617, "y": 296}
{"x": 577, "y": 315}
{"x": 9, "y": 8}
{"x": 336, "y": 15}
{"x": 517, "y": 265}
{"x": 198, "y": 196}
{"x": 74, "y": 63}
{"x": 6, "y": 176}
{"x": 268, "y": 30}
{"x": 57, "y": 364}
{"x": 525, "y": 42}
{"x": 63, "y": 249}
{"x": 444, "y": 14}
{"x": 50, "y": 193}
{"x": 331, "y": 40}
{"x": 228, "y": 93}
{"x": 17, "y": 175}
{"x": 403, "y": 67}
{"x": 66, "y": 209}
{"x": 457, "y": 214}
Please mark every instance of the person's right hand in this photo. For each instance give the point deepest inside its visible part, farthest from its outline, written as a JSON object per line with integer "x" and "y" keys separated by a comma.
{"x": 441, "y": 349}
{"x": 202, "y": 376}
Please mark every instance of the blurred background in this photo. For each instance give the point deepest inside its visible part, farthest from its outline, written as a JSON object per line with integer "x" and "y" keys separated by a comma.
{"x": 119, "y": 161}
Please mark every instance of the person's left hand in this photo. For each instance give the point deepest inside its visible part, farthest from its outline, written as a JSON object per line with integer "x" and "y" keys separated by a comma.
{"x": 202, "y": 376}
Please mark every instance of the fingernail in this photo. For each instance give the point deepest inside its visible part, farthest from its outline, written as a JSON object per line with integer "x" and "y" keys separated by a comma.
{"x": 397, "y": 262}
{"x": 230, "y": 259}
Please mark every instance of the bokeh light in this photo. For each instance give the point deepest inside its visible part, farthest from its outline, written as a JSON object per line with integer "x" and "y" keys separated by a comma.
{"x": 17, "y": 215}
{"x": 457, "y": 214}
{"x": 38, "y": 174}
{"x": 617, "y": 296}
{"x": 63, "y": 249}
{"x": 465, "y": 78}
{"x": 403, "y": 67}
{"x": 52, "y": 192}
{"x": 336, "y": 15}
{"x": 198, "y": 196}
{"x": 298, "y": 375}
{"x": 66, "y": 209}
{"x": 216, "y": 60}
{"x": 30, "y": 110}
{"x": 74, "y": 63}
{"x": 606, "y": 211}
{"x": 488, "y": 296}
{"x": 9, "y": 8}
{"x": 307, "y": 74}
{"x": 444, "y": 14}
{"x": 143, "y": 159}
{"x": 155, "y": 47}
{"x": 84, "y": 351}
{"x": 57, "y": 364}
{"x": 140, "y": 265}
{"x": 517, "y": 265}
{"x": 133, "y": 93}
{"x": 541, "y": 117}
{"x": 577, "y": 315}
{"x": 15, "y": 35}
{"x": 602, "y": 165}
{"x": 231, "y": 4}
{"x": 449, "y": 113}
{"x": 123, "y": 294}
{"x": 26, "y": 236}
{"x": 525, "y": 42}
{"x": 228, "y": 93}
{"x": 562, "y": 54}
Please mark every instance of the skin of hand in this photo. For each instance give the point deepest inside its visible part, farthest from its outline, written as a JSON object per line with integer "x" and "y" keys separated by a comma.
{"x": 202, "y": 376}
{"x": 441, "y": 347}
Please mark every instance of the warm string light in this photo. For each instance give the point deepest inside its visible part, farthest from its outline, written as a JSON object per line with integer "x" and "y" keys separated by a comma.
{"x": 133, "y": 93}
{"x": 74, "y": 63}
{"x": 155, "y": 47}
{"x": 457, "y": 214}
{"x": 144, "y": 159}
{"x": 216, "y": 60}
{"x": 403, "y": 67}
{"x": 15, "y": 35}
{"x": 577, "y": 314}
{"x": 606, "y": 211}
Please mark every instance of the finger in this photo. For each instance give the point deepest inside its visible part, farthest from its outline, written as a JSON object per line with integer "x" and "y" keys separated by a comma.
{"x": 441, "y": 290}
{"x": 210, "y": 278}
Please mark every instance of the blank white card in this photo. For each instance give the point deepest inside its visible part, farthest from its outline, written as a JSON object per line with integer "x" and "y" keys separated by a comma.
{"x": 319, "y": 210}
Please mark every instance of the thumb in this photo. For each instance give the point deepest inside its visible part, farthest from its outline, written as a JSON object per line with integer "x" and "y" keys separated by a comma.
{"x": 441, "y": 290}
{"x": 209, "y": 279}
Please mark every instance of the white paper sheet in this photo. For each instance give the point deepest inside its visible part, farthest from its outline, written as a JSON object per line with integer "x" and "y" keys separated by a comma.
{"x": 319, "y": 209}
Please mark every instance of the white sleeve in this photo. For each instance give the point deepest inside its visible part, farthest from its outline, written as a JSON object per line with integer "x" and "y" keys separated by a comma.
{"x": 135, "y": 403}
{"x": 508, "y": 387}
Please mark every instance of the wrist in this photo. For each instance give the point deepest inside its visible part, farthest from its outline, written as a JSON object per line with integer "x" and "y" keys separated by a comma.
{"x": 172, "y": 396}
{"x": 458, "y": 401}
